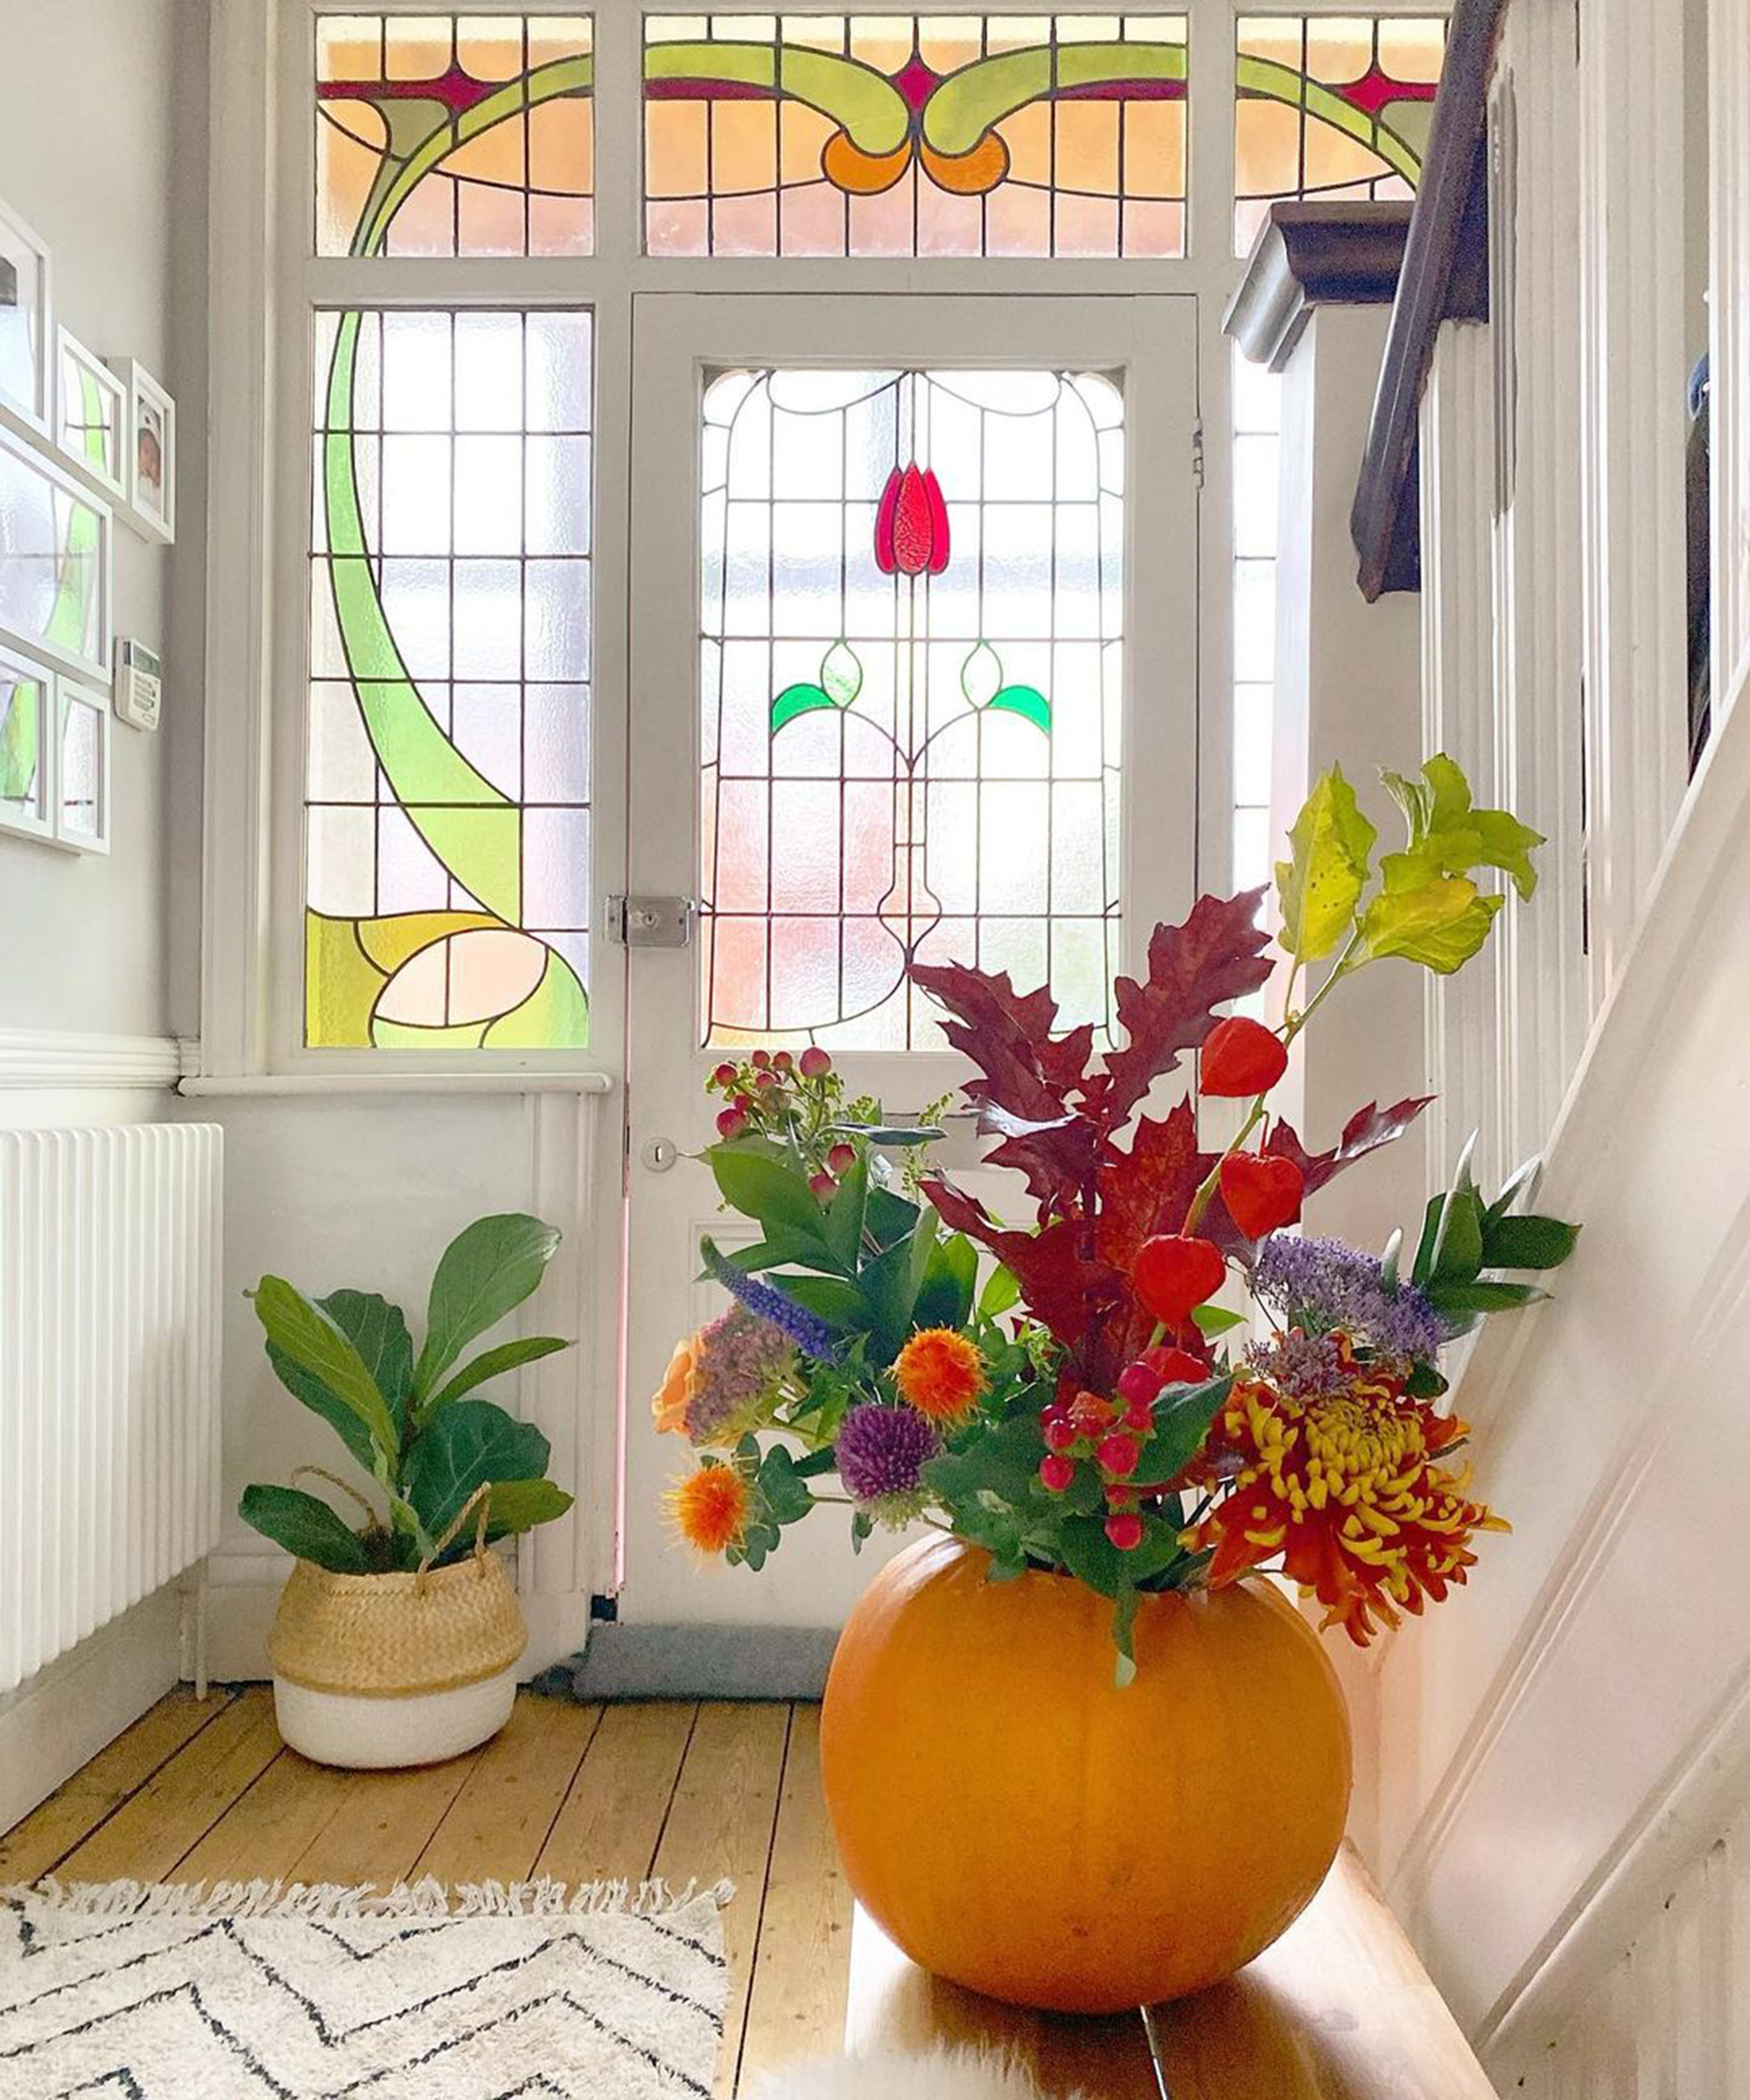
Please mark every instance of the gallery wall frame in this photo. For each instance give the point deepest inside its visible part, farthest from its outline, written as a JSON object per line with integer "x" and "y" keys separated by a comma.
{"x": 91, "y": 416}
{"x": 150, "y": 445}
{"x": 57, "y": 554}
{"x": 26, "y": 322}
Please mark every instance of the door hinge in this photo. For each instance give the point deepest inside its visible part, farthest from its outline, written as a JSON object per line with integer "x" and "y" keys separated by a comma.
{"x": 1197, "y": 455}
{"x": 651, "y": 921}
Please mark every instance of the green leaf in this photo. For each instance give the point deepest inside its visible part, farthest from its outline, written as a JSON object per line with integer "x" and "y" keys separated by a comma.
{"x": 1001, "y": 1461}
{"x": 1438, "y": 920}
{"x": 889, "y": 1217}
{"x": 776, "y": 1194}
{"x": 844, "y": 1213}
{"x": 1027, "y": 702}
{"x": 308, "y": 1338}
{"x": 1526, "y": 1242}
{"x": 1001, "y": 1291}
{"x": 1519, "y": 1183}
{"x": 801, "y": 698}
{"x": 470, "y": 1442}
{"x": 1389, "y": 1260}
{"x": 305, "y": 1527}
{"x": 1448, "y": 835}
{"x": 1483, "y": 1296}
{"x": 1181, "y": 1422}
{"x": 945, "y": 1299}
{"x": 490, "y": 1267}
{"x": 785, "y": 1493}
{"x": 781, "y": 1248}
{"x": 890, "y": 1137}
{"x": 1124, "y": 1636}
{"x": 1215, "y": 1320}
{"x": 1422, "y": 1267}
{"x": 322, "y": 1400}
{"x": 493, "y": 1363}
{"x": 829, "y": 1297}
{"x": 890, "y": 1285}
{"x": 378, "y": 1331}
{"x": 1458, "y": 1243}
{"x": 1321, "y": 885}
{"x": 520, "y": 1505}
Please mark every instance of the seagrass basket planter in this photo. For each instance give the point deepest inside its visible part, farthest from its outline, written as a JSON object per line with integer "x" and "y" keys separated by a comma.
{"x": 377, "y": 1671}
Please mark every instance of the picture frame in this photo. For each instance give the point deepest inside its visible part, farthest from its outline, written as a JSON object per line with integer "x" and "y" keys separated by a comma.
{"x": 82, "y": 767}
{"x": 26, "y": 324}
{"x": 152, "y": 450}
{"x": 29, "y": 751}
{"x": 57, "y": 554}
{"x": 91, "y": 416}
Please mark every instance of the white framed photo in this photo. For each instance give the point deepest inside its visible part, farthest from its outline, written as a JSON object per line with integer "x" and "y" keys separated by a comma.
{"x": 82, "y": 768}
{"x": 29, "y": 747}
{"x": 26, "y": 324}
{"x": 91, "y": 416}
{"x": 56, "y": 553}
{"x": 152, "y": 450}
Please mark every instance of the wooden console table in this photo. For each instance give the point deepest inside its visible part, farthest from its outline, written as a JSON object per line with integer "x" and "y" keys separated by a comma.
{"x": 1338, "y": 2009}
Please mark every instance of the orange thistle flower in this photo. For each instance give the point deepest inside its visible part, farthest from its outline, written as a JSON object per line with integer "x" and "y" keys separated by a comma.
{"x": 941, "y": 1374}
{"x": 709, "y": 1508}
{"x": 1342, "y": 1484}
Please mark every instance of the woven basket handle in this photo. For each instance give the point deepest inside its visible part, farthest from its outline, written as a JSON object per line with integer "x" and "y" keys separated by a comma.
{"x": 479, "y": 1506}
{"x": 321, "y": 1473}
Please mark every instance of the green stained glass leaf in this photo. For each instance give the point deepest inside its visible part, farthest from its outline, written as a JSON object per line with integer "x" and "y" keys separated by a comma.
{"x": 1026, "y": 701}
{"x": 800, "y": 699}
{"x": 841, "y": 676}
{"x": 981, "y": 676}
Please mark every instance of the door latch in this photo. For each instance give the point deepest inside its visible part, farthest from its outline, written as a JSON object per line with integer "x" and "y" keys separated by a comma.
{"x": 651, "y": 921}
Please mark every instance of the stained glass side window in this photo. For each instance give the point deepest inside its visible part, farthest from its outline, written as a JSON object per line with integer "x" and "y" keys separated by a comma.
{"x": 1330, "y": 106}
{"x": 448, "y": 795}
{"x": 915, "y": 135}
{"x": 912, "y": 600}
{"x": 454, "y": 135}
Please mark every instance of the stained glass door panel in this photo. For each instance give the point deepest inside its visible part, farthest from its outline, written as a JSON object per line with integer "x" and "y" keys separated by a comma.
{"x": 911, "y": 675}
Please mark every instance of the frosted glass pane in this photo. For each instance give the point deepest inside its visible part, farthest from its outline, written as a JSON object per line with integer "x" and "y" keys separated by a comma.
{"x": 1254, "y": 495}
{"x": 448, "y": 771}
{"x": 1254, "y": 622}
{"x": 52, "y": 546}
{"x": 1252, "y": 728}
{"x": 81, "y": 770}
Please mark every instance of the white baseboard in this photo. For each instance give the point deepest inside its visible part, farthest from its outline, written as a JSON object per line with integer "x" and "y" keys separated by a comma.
{"x": 44, "y": 1061}
{"x": 55, "y": 1721}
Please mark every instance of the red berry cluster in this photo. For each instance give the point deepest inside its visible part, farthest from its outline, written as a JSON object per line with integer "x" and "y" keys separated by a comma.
{"x": 1084, "y": 1428}
{"x": 793, "y": 1099}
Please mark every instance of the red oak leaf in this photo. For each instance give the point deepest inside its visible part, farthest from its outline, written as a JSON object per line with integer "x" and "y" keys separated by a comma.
{"x": 1071, "y": 1294}
{"x": 1148, "y": 1189}
{"x": 1365, "y": 1131}
{"x": 1216, "y": 955}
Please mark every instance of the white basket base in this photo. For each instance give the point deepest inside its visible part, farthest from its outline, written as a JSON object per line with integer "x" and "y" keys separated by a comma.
{"x": 365, "y": 1734}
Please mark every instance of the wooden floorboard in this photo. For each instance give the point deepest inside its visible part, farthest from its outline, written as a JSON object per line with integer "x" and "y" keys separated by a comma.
{"x": 504, "y": 1812}
{"x": 611, "y": 1824}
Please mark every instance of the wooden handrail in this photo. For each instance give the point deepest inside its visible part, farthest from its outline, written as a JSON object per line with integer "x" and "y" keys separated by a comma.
{"x": 1444, "y": 277}
{"x": 1313, "y": 253}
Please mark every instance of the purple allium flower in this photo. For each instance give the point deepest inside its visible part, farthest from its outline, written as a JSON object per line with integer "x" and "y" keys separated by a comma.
{"x": 1324, "y": 1284}
{"x": 1298, "y": 1365}
{"x": 807, "y": 1330}
{"x": 881, "y": 1453}
{"x": 741, "y": 1360}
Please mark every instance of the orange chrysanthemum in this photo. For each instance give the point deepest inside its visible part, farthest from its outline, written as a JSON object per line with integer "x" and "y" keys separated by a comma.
{"x": 668, "y": 1408}
{"x": 1344, "y": 1487}
{"x": 941, "y": 1374}
{"x": 709, "y": 1508}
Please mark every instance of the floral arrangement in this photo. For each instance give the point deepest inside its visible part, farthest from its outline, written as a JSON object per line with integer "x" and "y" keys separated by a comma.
{"x": 1070, "y": 1394}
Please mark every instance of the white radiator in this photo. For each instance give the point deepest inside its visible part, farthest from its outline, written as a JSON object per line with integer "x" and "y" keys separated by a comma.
{"x": 108, "y": 1375}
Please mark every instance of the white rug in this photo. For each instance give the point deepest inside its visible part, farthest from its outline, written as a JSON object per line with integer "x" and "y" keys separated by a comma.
{"x": 121, "y": 1993}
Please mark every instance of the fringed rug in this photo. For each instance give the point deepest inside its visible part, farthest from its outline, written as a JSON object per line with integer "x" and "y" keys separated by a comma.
{"x": 121, "y": 1992}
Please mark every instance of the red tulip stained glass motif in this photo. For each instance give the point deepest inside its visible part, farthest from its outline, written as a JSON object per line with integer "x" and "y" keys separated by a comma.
{"x": 911, "y": 643}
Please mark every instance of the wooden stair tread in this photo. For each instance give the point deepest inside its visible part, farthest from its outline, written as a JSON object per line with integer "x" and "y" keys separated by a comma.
{"x": 1338, "y": 2009}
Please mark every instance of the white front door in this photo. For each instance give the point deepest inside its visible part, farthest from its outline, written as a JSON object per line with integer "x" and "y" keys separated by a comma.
{"x": 913, "y": 674}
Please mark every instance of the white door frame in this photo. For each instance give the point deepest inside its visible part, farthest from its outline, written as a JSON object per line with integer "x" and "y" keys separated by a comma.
{"x": 1151, "y": 338}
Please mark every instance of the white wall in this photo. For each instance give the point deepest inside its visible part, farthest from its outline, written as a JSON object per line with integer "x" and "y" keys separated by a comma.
{"x": 102, "y": 150}
{"x": 96, "y": 127}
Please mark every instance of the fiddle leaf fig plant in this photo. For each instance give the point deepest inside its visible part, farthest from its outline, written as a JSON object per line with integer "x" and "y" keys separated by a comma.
{"x": 410, "y": 1420}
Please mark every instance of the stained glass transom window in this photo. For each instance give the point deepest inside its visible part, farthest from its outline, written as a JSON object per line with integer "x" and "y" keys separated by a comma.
{"x": 448, "y": 825}
{"x": 1330, "y": 106}
{"x": 901, "y": 135}
{"x": 454, "y": 135}
{"x": 911, "y": 599}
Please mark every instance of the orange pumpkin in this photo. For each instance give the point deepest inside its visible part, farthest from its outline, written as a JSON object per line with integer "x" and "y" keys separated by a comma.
{"x": 1019, "y": 1825}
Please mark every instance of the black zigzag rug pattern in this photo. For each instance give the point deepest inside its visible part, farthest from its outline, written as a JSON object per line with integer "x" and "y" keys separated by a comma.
{"x": 266, "y": 1991}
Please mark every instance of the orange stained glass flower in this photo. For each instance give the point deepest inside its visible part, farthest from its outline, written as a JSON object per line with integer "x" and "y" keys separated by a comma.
{"x": 709, "y": 1508}
{"x": 941, "y": 1374}
{"x": 1343, "y": 1489}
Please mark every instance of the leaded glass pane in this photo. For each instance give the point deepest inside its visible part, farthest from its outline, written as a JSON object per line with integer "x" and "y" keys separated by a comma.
{"x": 1330, "y": 106}
{"x": 53, "y": 547}
{"x": 447, "y": 876}
{"x": 454, "y": 135}
{"x": 915, "y": 135}
{"x": 912, "y": 600}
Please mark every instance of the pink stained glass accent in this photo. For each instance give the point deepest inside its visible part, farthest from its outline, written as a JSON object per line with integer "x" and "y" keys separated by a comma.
{"x": 911, "y": 718}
